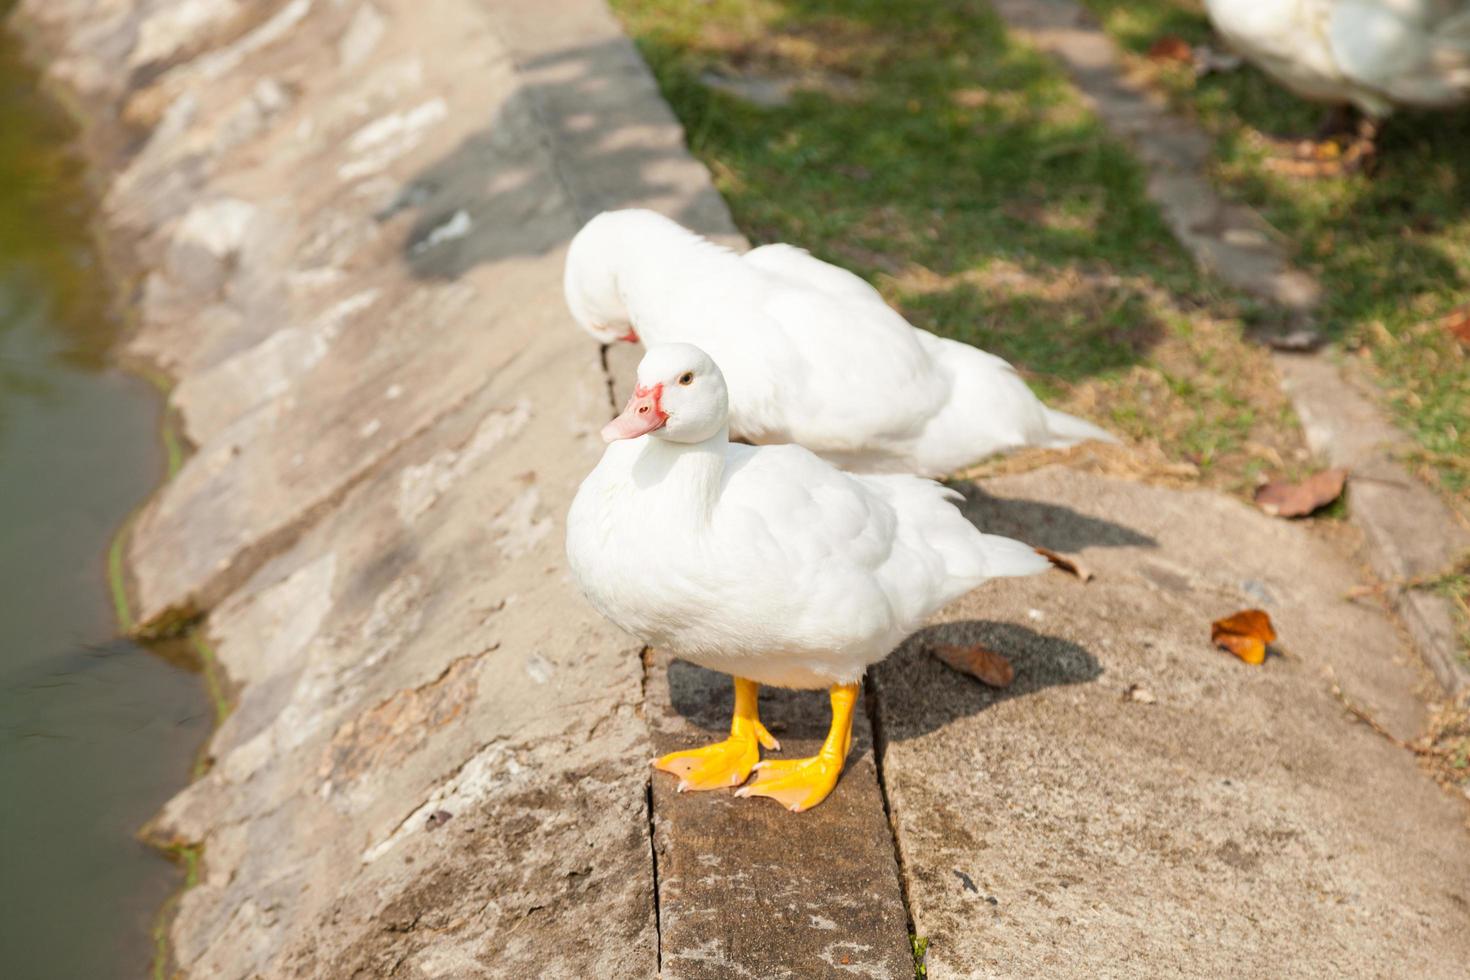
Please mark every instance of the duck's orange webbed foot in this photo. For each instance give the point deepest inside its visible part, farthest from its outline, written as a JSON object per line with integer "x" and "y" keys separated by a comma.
{"x": 800, "y": 784}
{"x": 728, "y": 763}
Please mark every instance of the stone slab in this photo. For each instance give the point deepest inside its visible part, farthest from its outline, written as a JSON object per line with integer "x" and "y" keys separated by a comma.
{"x": 377, "y": 356}
{"x": 1235, "y": 822}
{"x": 1409, "y": 530}
{"x": 748, "y": 889}
{"x": 435, "y": 767}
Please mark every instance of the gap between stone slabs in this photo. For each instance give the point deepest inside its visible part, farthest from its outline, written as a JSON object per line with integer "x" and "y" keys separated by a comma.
{"x": 1408, "y": 529}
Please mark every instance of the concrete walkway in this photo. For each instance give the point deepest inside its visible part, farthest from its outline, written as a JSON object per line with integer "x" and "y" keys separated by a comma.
{"x": 348, "y": 220}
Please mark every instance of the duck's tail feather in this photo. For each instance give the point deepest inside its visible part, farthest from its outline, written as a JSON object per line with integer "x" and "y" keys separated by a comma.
{"x": 1007, "y": 557}
{"x": 1068, "y": 430}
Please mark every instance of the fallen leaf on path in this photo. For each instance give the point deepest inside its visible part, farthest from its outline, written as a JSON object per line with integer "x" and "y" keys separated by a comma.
{"x": 1065, "y": 563}
{"x": 979, "y": 662}
{"x": 1458, "y": 324}
{"x": 1171, "y": 47}
{"x": 1245, "y": 634}
{"x": 1281, "y": 499}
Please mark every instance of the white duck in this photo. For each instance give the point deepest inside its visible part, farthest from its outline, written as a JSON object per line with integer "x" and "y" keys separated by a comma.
{"x": 811, "y": 352}
{"x": 763, "y": 562}
{"x": 1372, "y": 54}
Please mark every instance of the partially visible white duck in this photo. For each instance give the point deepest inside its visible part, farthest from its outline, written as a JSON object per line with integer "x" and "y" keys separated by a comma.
{"x": 1373, "y": 54}
{"x": 812, "y": 354}
{"x": 763, "y": 562}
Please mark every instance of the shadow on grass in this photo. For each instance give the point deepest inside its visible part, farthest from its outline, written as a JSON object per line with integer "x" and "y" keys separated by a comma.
{"x": 1082, "y": 331}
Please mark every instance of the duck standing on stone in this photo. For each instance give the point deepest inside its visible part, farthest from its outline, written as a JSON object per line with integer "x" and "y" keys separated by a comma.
{"x": 1373, "y": 55}
{"x": 763, "y": 562}
{"x": 812, "y": 354}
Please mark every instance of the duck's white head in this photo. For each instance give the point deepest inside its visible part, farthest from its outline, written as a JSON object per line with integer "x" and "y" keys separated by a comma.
{"x": 681, "y": 397}
{"x": 590, "y": 280}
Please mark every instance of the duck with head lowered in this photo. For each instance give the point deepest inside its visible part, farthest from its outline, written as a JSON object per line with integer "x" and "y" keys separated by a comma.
{"x": 763, "y": 562}
{"x": 812, "y": 354}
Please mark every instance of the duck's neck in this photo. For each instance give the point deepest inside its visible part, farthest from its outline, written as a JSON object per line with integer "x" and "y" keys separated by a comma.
{"x": 685, "y": 477}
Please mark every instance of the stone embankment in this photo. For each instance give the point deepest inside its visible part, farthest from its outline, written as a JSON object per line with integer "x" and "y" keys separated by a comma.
{"x": 345, "y": 221}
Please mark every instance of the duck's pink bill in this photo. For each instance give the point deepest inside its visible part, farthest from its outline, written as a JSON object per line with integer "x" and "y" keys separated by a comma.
{"x": 643, "y": 415}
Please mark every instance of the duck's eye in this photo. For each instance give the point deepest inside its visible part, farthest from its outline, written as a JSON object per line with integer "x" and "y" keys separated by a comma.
{"x": 687, "y": 378}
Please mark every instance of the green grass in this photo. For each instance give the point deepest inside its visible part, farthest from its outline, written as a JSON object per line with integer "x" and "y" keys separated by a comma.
{"x": 213, "y": 682}
{"x": 117, "y": 582}
{"x": 955, "y": 168}
{"x": 921, "y": 951}
{"x": 1391, "y": 247}
{"x": 188, "y": 856}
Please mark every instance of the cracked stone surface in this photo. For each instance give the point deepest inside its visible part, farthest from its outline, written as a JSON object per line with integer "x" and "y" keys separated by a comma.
{"x": 1240, "y": 824}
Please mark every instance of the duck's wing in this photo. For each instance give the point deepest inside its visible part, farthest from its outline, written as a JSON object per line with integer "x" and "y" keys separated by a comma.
{"x": 946, "y": 404}
{"x": 867, "y": 384}
{"x": 991, "y": 409}
{"x": 857, "y": 554}
{"x": 799, "y": 266}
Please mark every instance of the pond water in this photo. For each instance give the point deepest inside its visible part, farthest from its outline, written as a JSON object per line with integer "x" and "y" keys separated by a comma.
{"x": 95, "y": 732}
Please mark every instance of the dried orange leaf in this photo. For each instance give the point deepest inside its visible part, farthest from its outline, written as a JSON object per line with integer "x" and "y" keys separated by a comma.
{"x": 1065, "y": 563}
{"x": 1247, "y": 648}
{"x": 1245, "y": 634}
{"x": 1458, "y": 324}
{"x": 1280, "y": 499}
{"x": 977, "y": 661}
{"x": 1171, "y": 47}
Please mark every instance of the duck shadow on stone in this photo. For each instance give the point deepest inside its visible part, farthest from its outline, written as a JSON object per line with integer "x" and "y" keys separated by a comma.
{"x": 916, "y": 693}
{"x": 1044, "y": 525}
